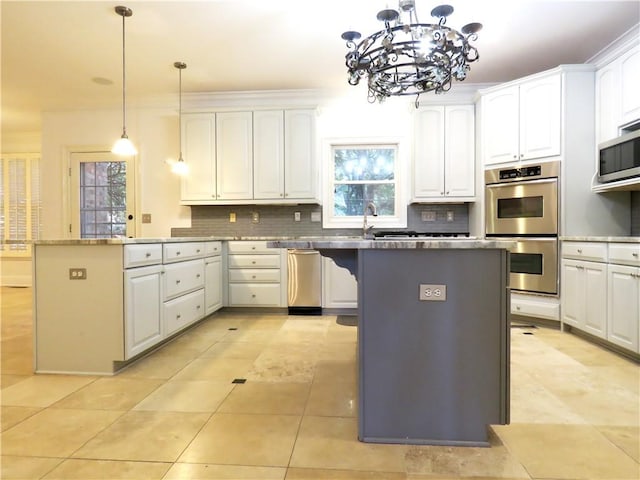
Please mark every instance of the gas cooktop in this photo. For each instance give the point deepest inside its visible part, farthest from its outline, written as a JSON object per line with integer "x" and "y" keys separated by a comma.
{"x": 413, "y": 235}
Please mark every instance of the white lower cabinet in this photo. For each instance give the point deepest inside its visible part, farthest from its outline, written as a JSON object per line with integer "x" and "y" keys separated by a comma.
{"x": 584, "y": 296}
{"x": 143, "y": 314}
{"x": 623, "y": 306}
{"x": 601, "y": 295}
{"x": 212, "y": 284}
{"x": 339, "y": 287}
{"x": 257, "y": 275}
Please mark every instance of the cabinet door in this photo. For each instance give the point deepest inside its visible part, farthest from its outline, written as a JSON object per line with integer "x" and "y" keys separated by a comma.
{"x": 143, "y": 301}
{"x": 595, "y": 298}
{"x": 540, "y": 112}
{"x": 339, "y": 287}
{"x": 234, "y": 156}
{"x": 623, "y": 306}
{"x": 428, "y": 152}
{"x": 500, "y": 126}
{"x": 459, "y": 160}
{"x": 300, "y": 171}
{"x": 213, "y": 284}
{"x": 572, "y": 293}
{"x": 607, "y": 102}
{"x": 630, "y": 93}
{"x": 199, "y": 152}
{"x": 268, "y": 154}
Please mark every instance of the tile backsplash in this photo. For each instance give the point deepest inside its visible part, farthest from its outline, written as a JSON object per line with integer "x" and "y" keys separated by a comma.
{"x": 276, "y": 220}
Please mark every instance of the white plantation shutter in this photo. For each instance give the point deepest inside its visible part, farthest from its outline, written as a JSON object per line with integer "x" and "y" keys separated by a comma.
{"x": 20, "y": 203}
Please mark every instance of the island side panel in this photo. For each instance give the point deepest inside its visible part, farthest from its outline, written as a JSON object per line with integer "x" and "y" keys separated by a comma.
{"x": 432, "y": 372}
{"x": 78, "y": 323}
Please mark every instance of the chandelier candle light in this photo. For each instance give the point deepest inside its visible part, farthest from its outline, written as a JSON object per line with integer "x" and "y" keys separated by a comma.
{"x": 180, "y": 167}
{"x": 408, "y": 57}
{"x": 123, "y": 145}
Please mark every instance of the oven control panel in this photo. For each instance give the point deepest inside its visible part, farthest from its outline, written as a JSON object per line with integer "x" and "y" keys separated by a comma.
{"x": 534, "y": 171}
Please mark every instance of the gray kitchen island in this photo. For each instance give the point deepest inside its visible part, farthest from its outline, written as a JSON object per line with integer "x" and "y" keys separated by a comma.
{"x": 433, "y": 336}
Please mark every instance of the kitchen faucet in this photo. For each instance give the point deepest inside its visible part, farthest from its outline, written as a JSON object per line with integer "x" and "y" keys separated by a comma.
{"x": 366, "y": 230}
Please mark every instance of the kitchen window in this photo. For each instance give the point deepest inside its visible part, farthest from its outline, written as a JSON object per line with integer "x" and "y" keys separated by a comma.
{"x": 20, "y": 218}
{"x": 361, "y": 173}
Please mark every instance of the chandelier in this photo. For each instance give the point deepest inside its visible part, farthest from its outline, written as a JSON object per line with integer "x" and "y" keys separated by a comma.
{"x": 408, "y": 57}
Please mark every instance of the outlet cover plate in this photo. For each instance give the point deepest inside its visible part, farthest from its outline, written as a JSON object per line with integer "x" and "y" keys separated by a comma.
{"x": 433, "y": 293}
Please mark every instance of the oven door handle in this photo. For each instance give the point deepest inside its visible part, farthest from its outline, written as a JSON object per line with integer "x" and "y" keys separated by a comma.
{"x": 523, "y": 182}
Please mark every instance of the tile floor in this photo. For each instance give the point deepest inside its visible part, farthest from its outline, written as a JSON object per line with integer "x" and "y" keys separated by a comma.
{"x": 575, "y": 410}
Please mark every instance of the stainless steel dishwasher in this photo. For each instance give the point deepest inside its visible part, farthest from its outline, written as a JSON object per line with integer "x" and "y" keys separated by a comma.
{"x": 304, "y": 285}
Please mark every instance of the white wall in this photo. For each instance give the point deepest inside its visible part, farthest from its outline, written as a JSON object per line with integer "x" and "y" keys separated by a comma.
{"x": 155, "y": 134}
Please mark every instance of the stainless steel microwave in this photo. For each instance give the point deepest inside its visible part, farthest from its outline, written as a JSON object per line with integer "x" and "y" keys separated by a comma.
{"x": 620, "y": 158}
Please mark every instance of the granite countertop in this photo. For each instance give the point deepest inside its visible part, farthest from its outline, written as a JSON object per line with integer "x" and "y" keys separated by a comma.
{"x": 327, "y": 243}
{"x": 594, "y": 238}
{"x": 131, "y": 241}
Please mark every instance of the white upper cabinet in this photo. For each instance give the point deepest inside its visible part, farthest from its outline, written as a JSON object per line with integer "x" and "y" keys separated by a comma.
{"x": 300, "y": 169}
{"x": 198, "y": 148}
{"x": 630, "y": 90}
{"x": 264, "y": 156}
{"x": 522, "y": 122}
{"x": 617, "y": 94}
{"x": 443, "y": 153}
{"x": 268, "y": 154}
{"x": 234, "y": 155}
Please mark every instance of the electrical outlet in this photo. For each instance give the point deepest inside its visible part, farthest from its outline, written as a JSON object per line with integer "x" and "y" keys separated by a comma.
{"x": 232, "y": 217}
{"x": 255, "y": 217}
{"x": 146, "y": 218}
{"x": 77, "y": 274}
{"x": 315, "y": 216}
{"x": 296, "y": 216}
{"x": 449, "y": 215}
{"x": 428, "y": 216}
{"x": 433, "y": 293}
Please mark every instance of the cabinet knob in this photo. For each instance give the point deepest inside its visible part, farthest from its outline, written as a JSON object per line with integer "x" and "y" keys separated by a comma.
{"x": 253, "y": 276}
{"x": 447, "y": 193}
{"x": 177, "y": 282}
{"x": 635, "y": 254}
{"x": 198, "y": 251}
{"x": 521, "y": 155}
{"x": 441, "y": 193}
{"x": 178, "y": 252}
{"x": 515, "y": 157}
{"x": 286, "y": 194}
{"x": 147, "y": 254}
{"x": 198, "y": 307}
{"x": 198, "y": 275}
{"x": 281, "y": 195}
{"x": 517, "y": 307}
{"x": 178, "y": 316}
{"x": 253, "y": 295}
{"x": 579, "y": 250}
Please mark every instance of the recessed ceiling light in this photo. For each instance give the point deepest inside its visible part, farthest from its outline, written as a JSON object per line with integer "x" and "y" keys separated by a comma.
{"x": 102, "y": 81}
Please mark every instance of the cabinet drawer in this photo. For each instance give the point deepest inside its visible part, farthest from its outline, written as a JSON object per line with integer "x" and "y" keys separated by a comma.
{"x": 212, "y": 249}
{"x": 624, "y": 253}
{"x": 142, "y": 254}
{"x": 176, "y": 252}
{"x": 183, "y": 277}
{"x": 254, "y": 294}
{"x": 181, "y": 311}
{"x": 258, "y": 247}
{"x": 594, "y": 251}
{"x": 251, "y": 275}
{"x": 548, "y": 310}
{"x": 254, "y": 261}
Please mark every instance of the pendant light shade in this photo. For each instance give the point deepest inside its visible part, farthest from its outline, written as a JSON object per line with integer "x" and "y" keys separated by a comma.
{"x": 123, "y": 145}
{"x": 180, "y": 167}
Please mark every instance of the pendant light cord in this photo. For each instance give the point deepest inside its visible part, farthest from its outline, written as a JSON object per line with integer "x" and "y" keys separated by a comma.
{"x": 124, "y": 114}
{"x": 180, "y": 111}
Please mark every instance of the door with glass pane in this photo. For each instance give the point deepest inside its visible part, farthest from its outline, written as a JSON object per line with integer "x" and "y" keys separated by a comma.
{"x": 102, "y": 195}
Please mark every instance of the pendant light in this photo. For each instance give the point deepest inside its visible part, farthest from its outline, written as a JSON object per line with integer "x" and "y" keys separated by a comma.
{"x": 180, "y": 167}
{"x": 123, "y": 145}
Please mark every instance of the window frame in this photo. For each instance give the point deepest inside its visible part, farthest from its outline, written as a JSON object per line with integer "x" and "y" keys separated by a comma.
{"x": 329, "y": 220}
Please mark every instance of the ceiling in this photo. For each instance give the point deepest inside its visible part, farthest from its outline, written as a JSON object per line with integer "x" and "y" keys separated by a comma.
{"x": 67, "y": 55}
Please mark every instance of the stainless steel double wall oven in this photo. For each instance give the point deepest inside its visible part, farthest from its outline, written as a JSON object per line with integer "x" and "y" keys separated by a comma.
{"x": 522, "y": 205}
